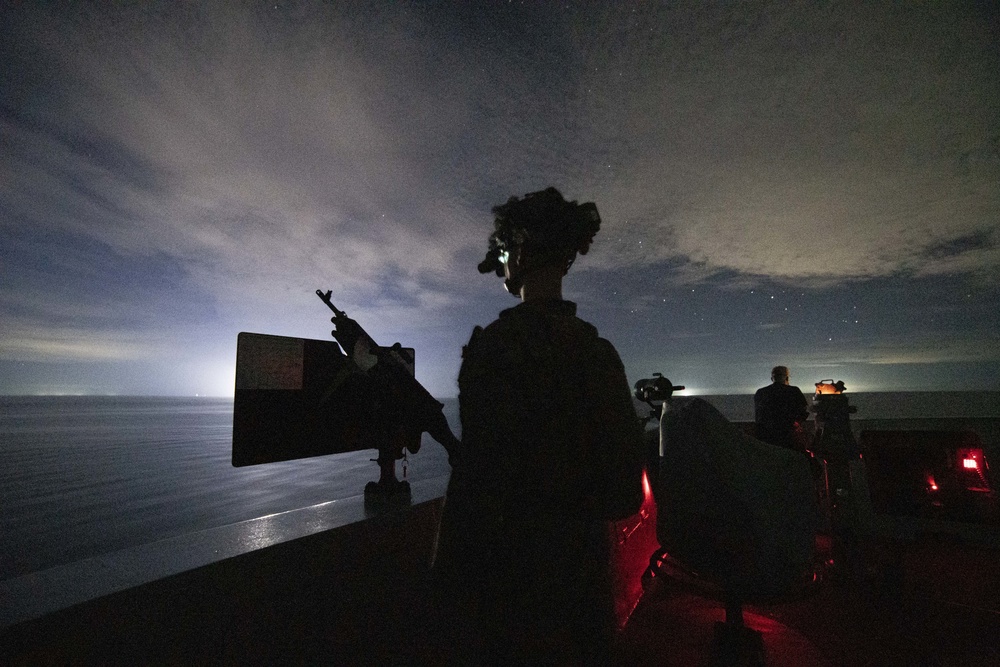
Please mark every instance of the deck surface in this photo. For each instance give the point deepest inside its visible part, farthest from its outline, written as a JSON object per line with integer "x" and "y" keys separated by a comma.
{"x": 261, "y": 610}
{"x": 946, "y": 612}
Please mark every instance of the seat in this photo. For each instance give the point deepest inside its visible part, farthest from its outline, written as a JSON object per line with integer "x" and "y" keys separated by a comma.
{"x": 736, "y": 511}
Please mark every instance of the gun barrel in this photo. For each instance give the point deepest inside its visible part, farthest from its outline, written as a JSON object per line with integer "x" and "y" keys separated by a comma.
{"x": 325, "y": 298}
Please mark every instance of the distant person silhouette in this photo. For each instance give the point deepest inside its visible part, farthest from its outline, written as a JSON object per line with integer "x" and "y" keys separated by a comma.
{"x": 551, "y": 452}
{"x": 779, "y": 411}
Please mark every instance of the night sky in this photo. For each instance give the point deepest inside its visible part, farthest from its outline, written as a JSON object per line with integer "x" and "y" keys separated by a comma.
{"x": 815, "y": 184}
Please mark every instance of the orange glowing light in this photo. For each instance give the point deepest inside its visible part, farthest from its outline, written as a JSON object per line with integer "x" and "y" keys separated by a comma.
{"x": 830, "y": 387}
{"x": 646, "y": 490}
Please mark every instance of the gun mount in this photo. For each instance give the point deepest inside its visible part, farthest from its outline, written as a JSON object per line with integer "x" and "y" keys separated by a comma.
{"x": 298, "y": 398}
{"x": 410, "y": 409}
{"x": 833, "y": 429}
{"x": 843, "y": 488}
{"x": 656, "y": 388}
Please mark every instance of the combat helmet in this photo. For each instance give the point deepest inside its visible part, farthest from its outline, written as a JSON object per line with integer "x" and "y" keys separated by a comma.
{"x": 552, "y": 229}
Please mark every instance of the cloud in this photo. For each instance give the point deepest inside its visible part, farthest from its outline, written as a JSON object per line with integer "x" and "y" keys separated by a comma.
{"x": 801, "y": 143}
{"x": 211, "y": 165}
{"x": 249, "y": 153}
{"x": 310, "y": 143}
{"x": 50, "y": 344}
{"x": 919, "y": 348}
{"x": 962, "y": 351}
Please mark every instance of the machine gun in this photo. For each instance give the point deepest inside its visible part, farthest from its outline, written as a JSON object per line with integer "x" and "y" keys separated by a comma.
{"x": 298, "y": 398}
{"x": 406, "y": 405}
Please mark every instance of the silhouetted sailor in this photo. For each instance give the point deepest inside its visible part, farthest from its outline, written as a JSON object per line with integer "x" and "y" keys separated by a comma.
{"x": 551, "y": 451}
{"x": 779, "y": 410}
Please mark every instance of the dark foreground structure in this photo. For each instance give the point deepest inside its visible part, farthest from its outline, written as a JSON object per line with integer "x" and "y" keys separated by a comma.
{"x": 340, "y": 584}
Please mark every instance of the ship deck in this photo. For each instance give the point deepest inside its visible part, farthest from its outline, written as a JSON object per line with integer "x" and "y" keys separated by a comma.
{"x": 944, "y": 610}
{"x": 361, "y": 594}
{"x": 338, "y": 584}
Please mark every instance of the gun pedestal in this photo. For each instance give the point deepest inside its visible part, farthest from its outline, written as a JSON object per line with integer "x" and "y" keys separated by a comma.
{"x": 411, "y": 408}
{"x": 389, "y": 490}
{"x": 733, "y": 643}
{"x": 845, "y": 495}
{"x": 648, "y": 390}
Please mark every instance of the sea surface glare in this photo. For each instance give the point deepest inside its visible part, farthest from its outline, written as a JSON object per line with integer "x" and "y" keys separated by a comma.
{"x": 84, "y": 476}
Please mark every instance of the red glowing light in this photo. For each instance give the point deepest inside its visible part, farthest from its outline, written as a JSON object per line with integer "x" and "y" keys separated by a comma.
{"x": 975, "y": 468}
{"x": 647, "y": 492}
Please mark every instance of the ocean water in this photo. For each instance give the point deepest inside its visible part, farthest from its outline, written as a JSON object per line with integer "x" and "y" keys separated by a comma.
{"x": 82, "y": 476}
